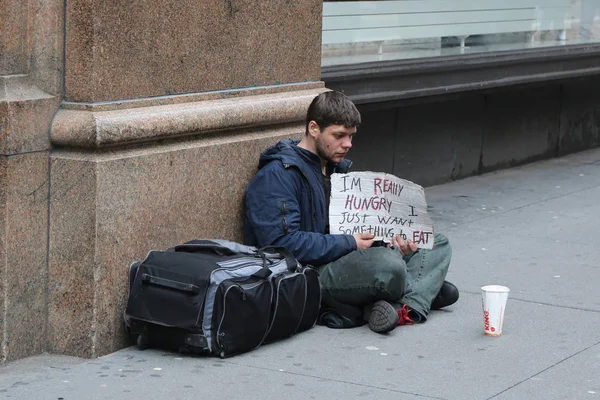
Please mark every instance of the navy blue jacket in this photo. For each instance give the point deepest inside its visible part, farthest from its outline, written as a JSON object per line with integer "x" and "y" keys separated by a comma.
{"x": 285, "y": 205}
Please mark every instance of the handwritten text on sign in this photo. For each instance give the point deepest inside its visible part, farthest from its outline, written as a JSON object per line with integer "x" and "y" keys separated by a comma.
{"x": 382, "y": 204}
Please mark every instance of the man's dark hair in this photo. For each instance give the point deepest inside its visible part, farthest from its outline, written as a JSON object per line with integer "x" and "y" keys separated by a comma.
{"x": 332, "y": 108}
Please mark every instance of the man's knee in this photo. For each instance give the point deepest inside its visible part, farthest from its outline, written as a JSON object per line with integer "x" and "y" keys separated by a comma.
{"x": 389, "y": 271}
{"x": 389, "y": 261}
{"x": 441, "y": 243}
{"x": 440, "y": 240}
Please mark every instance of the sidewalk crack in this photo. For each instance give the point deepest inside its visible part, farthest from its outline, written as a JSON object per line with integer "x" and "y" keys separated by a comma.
{"x": 544, "y": 370}
{"x": 340, "y": 381}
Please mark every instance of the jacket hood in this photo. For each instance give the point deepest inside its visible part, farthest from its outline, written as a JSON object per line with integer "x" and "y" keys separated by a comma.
{"x": 288, "y": 152}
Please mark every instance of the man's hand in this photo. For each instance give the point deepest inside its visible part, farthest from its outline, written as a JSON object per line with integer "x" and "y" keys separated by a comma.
{"x": 404, "y": 247}
{"x": 363, "y": 240}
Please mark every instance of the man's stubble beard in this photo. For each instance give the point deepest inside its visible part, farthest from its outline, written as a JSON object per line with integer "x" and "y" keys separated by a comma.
{"x": 321, "y": 151}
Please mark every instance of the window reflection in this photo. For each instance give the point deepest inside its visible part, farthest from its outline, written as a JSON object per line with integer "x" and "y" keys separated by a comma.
{"x": 365, "y": 31}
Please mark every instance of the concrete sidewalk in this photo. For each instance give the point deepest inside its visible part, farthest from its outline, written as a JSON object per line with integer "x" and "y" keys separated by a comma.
{"x": 532, "y": 228}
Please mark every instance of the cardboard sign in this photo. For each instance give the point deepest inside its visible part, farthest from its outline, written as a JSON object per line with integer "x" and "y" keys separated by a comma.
{"x": 382, "y": 204}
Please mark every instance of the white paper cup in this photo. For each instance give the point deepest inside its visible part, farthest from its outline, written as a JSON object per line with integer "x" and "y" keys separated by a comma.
{"x": 494, "y": 303}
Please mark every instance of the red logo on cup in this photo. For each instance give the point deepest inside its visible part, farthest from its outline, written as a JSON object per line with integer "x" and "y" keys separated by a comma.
{"x": 486, "y": 320}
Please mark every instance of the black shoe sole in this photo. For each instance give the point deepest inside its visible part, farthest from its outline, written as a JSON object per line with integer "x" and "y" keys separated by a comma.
{"x": 383, "y": 317}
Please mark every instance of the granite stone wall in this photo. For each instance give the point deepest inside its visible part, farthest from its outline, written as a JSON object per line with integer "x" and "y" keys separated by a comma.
{"x": 125, "y": 127}
{"x": 30, "y": 94}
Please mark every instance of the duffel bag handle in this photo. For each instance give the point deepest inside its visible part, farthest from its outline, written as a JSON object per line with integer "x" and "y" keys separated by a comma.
{"x": 195, "y": 246}
{"x": 290, "y": 260}
{"x": 200, "y": 245}
{"x": 158, "y": 281}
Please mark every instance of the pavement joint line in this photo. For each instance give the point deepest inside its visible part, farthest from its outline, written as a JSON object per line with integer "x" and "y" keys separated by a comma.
{"x": 523, "y": 206}
{"x": 338, "y": 381}
{"x": 544, "y": 370}
{"x": 539, "y": 302}
{"x": 597, "y": 162}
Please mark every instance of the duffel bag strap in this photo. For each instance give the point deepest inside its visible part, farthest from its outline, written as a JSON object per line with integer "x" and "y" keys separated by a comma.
{"x": 290, "y": 260}
{"x": 264, "y": 272}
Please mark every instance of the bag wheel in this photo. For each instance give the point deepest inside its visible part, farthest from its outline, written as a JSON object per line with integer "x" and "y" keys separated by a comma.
{"x": 141, "y": 342}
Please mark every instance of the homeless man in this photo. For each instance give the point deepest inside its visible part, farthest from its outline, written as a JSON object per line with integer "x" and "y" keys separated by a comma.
{"x": 287, "y": 205}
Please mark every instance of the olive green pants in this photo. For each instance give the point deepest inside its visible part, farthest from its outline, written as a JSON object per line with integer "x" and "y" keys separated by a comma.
{"x": 365, "y": 276}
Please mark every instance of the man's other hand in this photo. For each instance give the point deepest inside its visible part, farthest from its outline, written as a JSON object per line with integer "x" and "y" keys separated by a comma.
{"x": 363, "y": 240}
{"x": 405, "y": 248}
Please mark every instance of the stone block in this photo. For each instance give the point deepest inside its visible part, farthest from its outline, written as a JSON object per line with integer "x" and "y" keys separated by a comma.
{"x": 31, "y": 41}
{"x": 108, "y": 209}
{"x": 521, "y": 125}
{"x": 25, "y": 115}
{"x": 13, "y": 39}
{"x": 147, "y": 48}
{"x": 71, "y": 260}
{"x": 23, "y": 254}
{"x": 46, "y": 41}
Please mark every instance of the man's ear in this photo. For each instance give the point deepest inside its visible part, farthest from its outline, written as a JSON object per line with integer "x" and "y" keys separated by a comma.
{"x": 313, "y": 129}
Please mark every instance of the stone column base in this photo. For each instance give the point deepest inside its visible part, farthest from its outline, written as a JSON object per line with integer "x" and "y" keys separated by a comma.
{"x": 110, "y": 207}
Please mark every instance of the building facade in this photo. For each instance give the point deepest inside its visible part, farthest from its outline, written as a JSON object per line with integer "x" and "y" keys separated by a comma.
{"x": 129, "y": 126}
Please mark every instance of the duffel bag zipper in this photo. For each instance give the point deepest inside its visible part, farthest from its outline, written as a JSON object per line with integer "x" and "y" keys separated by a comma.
{"x": 241, "y": 289}
{"x": 276, "y": 290}
{"x": 247, "y": 261}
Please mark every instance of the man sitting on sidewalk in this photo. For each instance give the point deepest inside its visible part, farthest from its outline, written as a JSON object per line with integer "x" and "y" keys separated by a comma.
{"x": 287, "y": 205}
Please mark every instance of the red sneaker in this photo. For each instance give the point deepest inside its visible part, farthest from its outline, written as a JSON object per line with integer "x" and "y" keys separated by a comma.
{"x": 403, "y": 318}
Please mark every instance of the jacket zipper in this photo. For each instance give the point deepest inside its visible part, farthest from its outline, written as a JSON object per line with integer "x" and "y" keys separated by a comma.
{"x": 310, "y": 193}
{"x": 284, "y": 222}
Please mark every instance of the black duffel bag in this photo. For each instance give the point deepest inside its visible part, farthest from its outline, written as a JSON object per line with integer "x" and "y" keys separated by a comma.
{"x": 219, "y": 297}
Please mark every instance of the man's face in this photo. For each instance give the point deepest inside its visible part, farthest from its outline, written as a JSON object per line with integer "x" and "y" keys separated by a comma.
{"x": 333, "y": 142}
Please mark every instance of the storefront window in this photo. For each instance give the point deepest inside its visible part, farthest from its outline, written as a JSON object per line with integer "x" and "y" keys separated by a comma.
{"x": 366, "y": 31}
